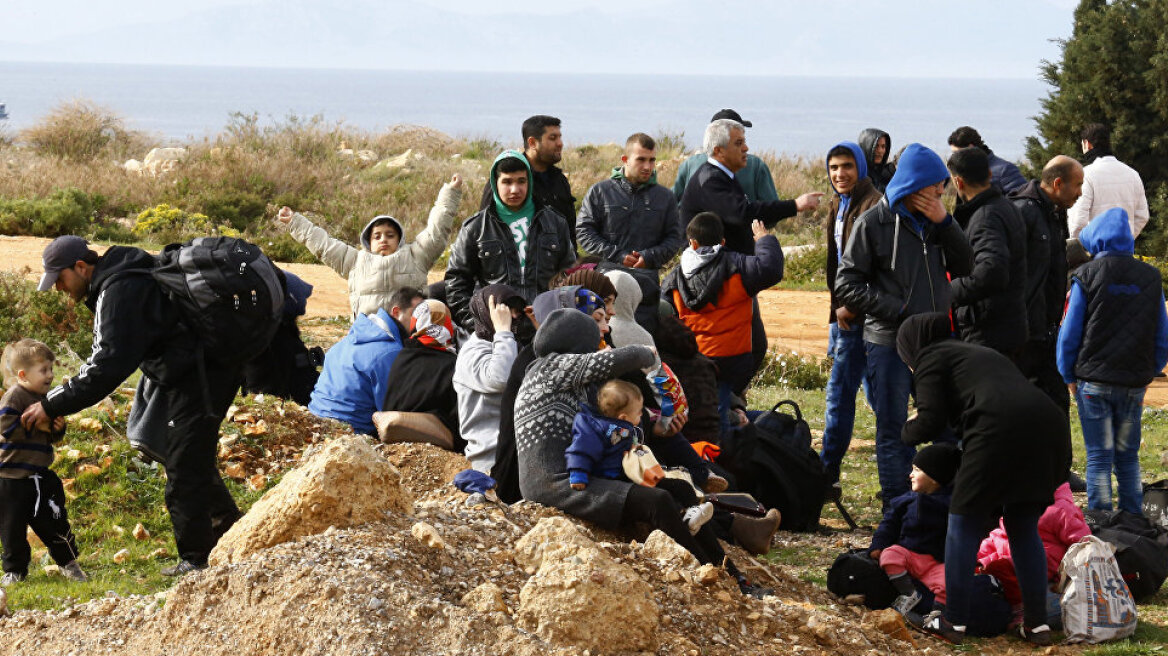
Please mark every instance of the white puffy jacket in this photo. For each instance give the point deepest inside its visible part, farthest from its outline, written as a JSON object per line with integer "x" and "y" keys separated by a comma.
{"x": 1108, "y": 183}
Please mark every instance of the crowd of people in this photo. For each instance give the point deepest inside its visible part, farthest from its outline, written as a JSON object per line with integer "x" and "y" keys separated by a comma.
{"x": 547, "y": 369}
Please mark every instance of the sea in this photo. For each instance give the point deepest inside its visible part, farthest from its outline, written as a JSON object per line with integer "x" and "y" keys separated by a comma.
{"x": 790, "y": 115}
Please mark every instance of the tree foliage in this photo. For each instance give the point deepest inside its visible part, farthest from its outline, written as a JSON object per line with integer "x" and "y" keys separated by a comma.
{"x": 1114, "y": 70}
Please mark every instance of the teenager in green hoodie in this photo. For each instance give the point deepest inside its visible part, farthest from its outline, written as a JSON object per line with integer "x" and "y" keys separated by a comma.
{"x": 509, "y": 242}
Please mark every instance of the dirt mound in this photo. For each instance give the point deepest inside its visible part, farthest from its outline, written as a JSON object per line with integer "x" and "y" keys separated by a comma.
{"x": 377, "y": 588}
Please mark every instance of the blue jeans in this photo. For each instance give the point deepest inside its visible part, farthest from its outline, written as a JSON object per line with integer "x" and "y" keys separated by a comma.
{"x": 962, "y": 540}
{"x": 849, "y": 365}
{"x": 889, "y": 385}
{"x": 1110, "y": 417}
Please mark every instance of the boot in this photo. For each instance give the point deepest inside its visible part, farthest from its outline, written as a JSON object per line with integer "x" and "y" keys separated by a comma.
{"x": 755, "y": 534}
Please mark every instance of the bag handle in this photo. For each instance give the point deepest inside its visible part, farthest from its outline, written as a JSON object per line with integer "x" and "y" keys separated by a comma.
{"x": 794, "y": 406}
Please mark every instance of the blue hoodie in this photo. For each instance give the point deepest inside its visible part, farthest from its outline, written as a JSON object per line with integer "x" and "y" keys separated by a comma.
{"x": 598, "y": 445}
{"x": 355, "y": 375}
{"x": 917, "y": 168}
{"x": 845, "y": 199}
{"x": 1107, "y": 235}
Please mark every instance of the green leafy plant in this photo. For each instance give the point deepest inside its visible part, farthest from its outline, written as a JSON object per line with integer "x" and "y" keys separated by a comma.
{"x": 64, "y": 212}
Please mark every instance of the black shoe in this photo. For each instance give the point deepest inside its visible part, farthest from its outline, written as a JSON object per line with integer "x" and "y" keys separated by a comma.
{"x": 1076, "y": 482}
{"x": 751, "y": 590}
{"x": 183, "y": 567}
{"x": 935, "y": 624}
{"x": 1039, "y": 635}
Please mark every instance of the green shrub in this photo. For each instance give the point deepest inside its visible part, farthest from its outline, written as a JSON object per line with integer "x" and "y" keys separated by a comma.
{"x": 283, "y": 248}
{"x": 64, "y": 212}
{"x": 236, "y": 208}
{"x": 807, "y": 268}
{"x": 50, "y": 317}
{"x": 166, "y": 218}
{"x": 82, "y": 130}
{"x": 793, "y": 371}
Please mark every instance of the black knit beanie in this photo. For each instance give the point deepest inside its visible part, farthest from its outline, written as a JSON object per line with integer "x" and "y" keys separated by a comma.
{"x": 940, "y": 461}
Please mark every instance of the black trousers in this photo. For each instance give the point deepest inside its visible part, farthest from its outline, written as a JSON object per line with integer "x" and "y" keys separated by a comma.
{"x": 38, "y": 502}
{"x": 201, "y": 509}
{"x": 658, "y": 507}
{"x": 758, "y": 344}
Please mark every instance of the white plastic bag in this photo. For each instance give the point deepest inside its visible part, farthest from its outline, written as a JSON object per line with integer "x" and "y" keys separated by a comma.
{"x": 1097, "y": 605}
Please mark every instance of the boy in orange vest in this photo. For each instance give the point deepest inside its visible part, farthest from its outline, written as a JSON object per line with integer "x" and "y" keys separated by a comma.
{"x": 713, "y": 290}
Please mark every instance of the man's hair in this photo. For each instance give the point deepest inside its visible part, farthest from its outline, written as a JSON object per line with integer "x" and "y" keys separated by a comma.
{"x": 404, "y": 297}
{"x": 1057, "y": 168}
{"x": 535, "y": 126}
{"x": 23, "y": 354}
{"x": 971, "y": 164}
{"x": 1097, "y": 134}
{"x": 511, "y": 165}
{"x": 718, "y": 134}
{"x": 641, "y": 139}
{"x": 841, "y": 151}
{"x": 616, "y": 395}
{"x": 965, "y": 136}
{"x": 706, "y": 229}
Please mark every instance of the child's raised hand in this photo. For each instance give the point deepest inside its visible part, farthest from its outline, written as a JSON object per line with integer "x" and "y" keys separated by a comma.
{"x": 579, "y": 486}
{"x": 500, "y": 314}
{"x": 759, "y": 229}
{"x": 285, "y": 215}
{"x": 456, "y": 181}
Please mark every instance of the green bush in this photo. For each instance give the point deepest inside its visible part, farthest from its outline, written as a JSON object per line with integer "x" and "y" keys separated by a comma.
{"x": 793, "y": 371}
{"x": 283, "y": 248}
{"x": 64, "y": 212}
{"x": 807, "y": 268}
{"x": 50, "y": 317}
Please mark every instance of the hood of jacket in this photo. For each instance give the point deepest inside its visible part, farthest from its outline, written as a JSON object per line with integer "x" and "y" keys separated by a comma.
{"x": 618, "y": 173}
{"x": 1108, "y": 232}
{"x": 566, "y": 331}
{"x": 368, "y": 230}
{"x": 861, "y": 163}
{"x": 868, "y": 140}
{"x": 702, "y": 287}
{"x": 117, "y": 259}
{"x": 628, "y": 294}
{"x": 918, "y": 168}
{"x": 495, "y": 174}
{"x": 366, "y": 329}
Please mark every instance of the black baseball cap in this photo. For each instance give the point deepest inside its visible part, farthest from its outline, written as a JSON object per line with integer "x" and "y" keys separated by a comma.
{"x": 61, "y": 253}
{"x": 733, "y": 116}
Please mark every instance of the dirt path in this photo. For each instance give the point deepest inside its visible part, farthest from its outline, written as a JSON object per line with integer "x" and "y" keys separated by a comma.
{"x": 795, "y": 320}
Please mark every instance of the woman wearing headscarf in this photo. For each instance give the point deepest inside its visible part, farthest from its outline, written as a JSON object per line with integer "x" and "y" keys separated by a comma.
{"x": 483, "y": 365}
{"x": 1016, "y": 451}
{"x": 421, "y": 381}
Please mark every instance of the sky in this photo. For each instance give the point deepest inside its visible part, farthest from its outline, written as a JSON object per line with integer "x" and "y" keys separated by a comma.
{"x": 841, "y": 38}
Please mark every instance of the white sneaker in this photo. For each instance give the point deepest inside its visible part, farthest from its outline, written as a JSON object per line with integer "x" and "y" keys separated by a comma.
{"x": 904, "y": 603}
{"x": 11, "y": 577}
{"x": 695, "y": 517}
{"x": 73, "y": 572}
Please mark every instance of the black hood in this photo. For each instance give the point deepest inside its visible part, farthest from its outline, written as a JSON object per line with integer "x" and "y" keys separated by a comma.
{"x": 868, "y": 139}
{"x": 920, "y": 331}
{"x": 117, "y": 260}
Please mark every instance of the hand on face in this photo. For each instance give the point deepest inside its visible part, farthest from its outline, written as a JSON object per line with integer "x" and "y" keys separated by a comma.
{"x": 500, "y": 314}
{"x": 927, "y": 202}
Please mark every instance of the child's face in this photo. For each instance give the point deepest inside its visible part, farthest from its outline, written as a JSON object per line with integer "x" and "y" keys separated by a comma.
{"x": 632, "y": 412}
{"x": 922, "y": 482}
{"x": 383, "y": 239}
{"x": 37, "y": 377}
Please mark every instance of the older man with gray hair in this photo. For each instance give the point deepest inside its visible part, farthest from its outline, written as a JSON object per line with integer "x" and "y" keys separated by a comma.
{"x": 714, "y": 189}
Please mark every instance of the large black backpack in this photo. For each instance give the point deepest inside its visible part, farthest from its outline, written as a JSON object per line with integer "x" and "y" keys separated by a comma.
{"x": 1141, "y": 548}
{"x": 773, "y": 460}
{"x": 227, "y": 291}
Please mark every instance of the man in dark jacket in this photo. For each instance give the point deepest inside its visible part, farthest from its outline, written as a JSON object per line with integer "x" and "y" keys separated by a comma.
{"x": 755, "y": 177}
{"x": 543, "y": 147}
{"x": 1006, "y": 176}
{"x": 894, "y": 266}
{"x": 135, "y": 325}
{"x": 990, "y": 301}
{"x": 631, "y": 221}
{"x": 511, "y": 242}
{"x": 1043, "y": 206}
{"x": 714, "y": 188}
{"x": 854, "y": 194}
{"x": 877, "y": 146}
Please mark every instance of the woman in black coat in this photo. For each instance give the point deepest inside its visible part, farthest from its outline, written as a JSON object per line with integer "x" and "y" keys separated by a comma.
{"x": 1016, "y": 449}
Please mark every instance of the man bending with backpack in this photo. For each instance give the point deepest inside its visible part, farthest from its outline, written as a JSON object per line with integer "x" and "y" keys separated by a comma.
{"x": 137, "y": 325}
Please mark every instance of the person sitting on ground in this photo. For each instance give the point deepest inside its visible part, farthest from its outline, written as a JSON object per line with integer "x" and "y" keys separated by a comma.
{"x": 420, "y": 402}
{"x": 551, "y": 393}
{"x": 697, "y": 374}
{"x": 31, "y": 494}
{"x": 355, "y": 375}
{"x": 910, "y": 540}
{"x": 713, "y": 290}
{"x": 385, "y": 263}
{"x": 483, "y": 365}
{"x": 586, "y": 274}
{"x": 600, "y": 437}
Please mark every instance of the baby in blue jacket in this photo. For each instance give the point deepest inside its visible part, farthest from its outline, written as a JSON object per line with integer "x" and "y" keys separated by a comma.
{"x": 600, "y": 437}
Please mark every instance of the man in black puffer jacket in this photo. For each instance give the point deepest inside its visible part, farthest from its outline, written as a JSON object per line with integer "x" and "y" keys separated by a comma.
{"x": 989, "y": 302}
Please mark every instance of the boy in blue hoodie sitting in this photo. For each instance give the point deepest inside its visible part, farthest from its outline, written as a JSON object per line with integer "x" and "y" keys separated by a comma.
{"x": 1112, "y": 343}
{"x": 602, "y": 434}
{"x": 910, "y": 541}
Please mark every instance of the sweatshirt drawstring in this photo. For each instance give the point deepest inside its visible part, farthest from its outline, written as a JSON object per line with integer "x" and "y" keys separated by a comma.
{"x": 36, "y": 506}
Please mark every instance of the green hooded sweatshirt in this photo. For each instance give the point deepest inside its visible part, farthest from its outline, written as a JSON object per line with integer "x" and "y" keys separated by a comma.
{"x": 519, "y": 221}
{"x": 618, "y": 173}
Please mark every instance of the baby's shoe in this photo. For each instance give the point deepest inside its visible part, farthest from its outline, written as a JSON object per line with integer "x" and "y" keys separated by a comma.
{"x": 696, "y": 516}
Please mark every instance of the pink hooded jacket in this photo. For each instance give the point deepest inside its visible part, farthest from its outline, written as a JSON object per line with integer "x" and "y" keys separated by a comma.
{"x": 1059, "y": 527}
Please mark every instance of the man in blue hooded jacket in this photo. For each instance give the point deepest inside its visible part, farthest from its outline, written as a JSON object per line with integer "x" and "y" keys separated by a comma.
{"x": 847, "y": 170}
{"x": 896, "y": 264}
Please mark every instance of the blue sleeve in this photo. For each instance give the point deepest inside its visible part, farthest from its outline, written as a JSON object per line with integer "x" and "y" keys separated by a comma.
{"x": 1162, "y": 336}
{"x": 584, "y": 452}
{"x": 888, "y": 531}
{"x": 1070, "y": 336}
{"x": 763, "y": 269}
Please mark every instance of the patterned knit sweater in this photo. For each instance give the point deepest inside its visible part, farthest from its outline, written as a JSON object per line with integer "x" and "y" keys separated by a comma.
{"x": 548, "y": 400}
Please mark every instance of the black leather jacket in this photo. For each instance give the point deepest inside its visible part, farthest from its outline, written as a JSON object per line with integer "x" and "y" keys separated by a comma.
{"x": 484, "y": 253}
